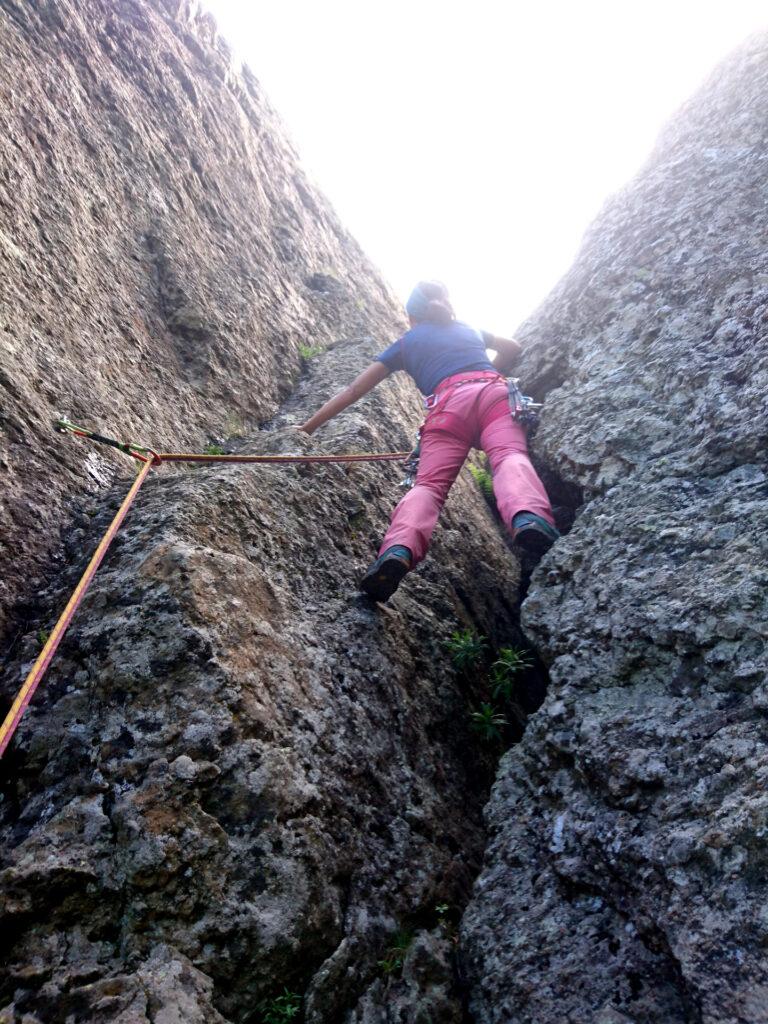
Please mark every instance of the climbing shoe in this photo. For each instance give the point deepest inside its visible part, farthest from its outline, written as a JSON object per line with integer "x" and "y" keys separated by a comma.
{"x": 383, "y": 577}
{"x": 533, "y": 534}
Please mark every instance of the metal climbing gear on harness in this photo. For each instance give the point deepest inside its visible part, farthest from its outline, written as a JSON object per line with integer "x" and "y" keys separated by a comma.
{"x": 523, "y": 407}
{"x": 412, "y": 463}
{"x": 149, "y": 459}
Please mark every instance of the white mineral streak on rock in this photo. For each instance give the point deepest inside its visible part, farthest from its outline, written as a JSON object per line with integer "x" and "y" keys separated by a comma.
{"x": 557, "y": 845}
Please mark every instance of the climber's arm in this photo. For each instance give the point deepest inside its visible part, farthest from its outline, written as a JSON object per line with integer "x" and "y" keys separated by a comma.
{"x": 361, "y": 385}
{"x": 507, "y": 350}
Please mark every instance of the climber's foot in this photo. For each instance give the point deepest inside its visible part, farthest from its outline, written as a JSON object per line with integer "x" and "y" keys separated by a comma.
{"x": 383, "y": 577}
{"x": 533, "y": 534}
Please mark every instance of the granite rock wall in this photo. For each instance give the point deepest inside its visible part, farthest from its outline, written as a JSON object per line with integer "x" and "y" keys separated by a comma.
{"x": 163, "y": 257}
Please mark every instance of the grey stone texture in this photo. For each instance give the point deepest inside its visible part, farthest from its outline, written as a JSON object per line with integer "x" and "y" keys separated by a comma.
{"x": 163, "y": 256}
{"x": 237, "y": 759}
{"x": 238, "y": 777}
{"x": 625, "y": 877}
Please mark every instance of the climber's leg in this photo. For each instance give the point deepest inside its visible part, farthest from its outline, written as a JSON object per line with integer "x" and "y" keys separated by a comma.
{"x": 515, "y": 482}
{"x": 414, "y": 519}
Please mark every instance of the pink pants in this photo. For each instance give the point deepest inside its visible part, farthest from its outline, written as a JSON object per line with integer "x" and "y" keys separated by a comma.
{"x": 473, "y": 415}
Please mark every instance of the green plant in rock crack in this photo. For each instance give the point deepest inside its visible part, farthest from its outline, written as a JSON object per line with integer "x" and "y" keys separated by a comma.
{"x": 487, "y": 722}
{"x": 310, "y": 351}
{"x": 394, "y": 957}
{"x": 281, "y": 1009}
{"x": 509, "y": 663}
{"x": 214, "y": 449}
{"x": 504, "y": 671}
{"x": 466, "y": 649}
{"x": 447, "y": 919}
{"x": 42, "y": 637}
{"x": 483, "y": 479}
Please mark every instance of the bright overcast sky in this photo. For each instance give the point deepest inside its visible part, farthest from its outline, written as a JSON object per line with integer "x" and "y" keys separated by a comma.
{"x": 474, "y": 142}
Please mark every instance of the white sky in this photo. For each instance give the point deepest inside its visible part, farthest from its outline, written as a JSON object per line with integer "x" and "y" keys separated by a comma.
{"x": 474, "y": 141}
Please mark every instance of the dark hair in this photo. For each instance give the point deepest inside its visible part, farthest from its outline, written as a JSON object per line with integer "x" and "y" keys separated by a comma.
{"x": 439, "y": 313}
{"x": 438, "y": 309}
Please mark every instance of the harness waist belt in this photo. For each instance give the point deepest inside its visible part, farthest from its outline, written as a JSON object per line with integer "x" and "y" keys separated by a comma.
{"x": 457, "y": 379}
{"x": 467, "y": 377}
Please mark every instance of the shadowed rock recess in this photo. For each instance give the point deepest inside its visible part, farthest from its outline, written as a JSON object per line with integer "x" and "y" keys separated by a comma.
{"x": 626, "y": 875}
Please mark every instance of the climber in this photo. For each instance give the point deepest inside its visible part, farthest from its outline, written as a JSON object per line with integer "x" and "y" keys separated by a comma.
{"x": 467, "y": 401}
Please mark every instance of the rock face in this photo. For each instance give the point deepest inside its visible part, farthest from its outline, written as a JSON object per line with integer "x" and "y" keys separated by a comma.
{"x": 238, "y": 783}
{"x": 625, "y": 879}
{"x": 240, "y": 769}
{"x": 162, "y": 256}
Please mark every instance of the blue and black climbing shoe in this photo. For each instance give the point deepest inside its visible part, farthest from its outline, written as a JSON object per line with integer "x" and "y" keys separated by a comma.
{"x": 533, "y": 534}
{"x": 383, "y": 577}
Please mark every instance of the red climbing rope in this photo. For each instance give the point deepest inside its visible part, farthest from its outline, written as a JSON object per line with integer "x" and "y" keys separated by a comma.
{"x": 149, "y": 458}
{"x": 352, "y": 457}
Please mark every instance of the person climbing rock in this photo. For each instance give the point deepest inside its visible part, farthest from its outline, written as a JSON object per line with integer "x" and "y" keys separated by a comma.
{"x": 468, "y": 406}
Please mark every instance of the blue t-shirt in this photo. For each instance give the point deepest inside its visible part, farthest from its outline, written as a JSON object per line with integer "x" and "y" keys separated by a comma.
{"x": 431, "y": 352}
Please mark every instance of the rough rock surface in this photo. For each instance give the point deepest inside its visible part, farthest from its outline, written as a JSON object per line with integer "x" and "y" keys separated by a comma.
{"x": 237, "y": 758}
{"x": 625, "y": 880}
{"x": 162, "y": 255}
{"x": 238, "y": 777}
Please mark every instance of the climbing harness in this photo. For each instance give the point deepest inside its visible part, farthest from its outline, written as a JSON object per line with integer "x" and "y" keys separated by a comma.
{"x": 522, "y": 407}
{"x": 449, "y": 384}
{"x": 149, "y": 458}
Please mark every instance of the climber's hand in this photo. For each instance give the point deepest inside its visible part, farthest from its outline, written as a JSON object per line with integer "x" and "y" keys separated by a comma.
{"x": 295, "y": 428}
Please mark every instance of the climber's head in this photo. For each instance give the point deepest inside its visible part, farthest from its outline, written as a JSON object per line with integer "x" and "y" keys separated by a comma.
{"x": 429, "y": 302}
